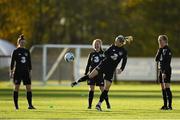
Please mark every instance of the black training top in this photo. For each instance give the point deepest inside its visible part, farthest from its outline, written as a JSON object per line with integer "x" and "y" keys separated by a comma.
{"x": 164, "y": 56}
{"x": 113, "y": 56}
{"x": 21, "y": 58}
{"x": 93, "y": 60}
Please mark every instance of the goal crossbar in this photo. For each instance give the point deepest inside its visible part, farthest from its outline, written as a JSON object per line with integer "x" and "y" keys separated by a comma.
{"x": 47, "y": 74}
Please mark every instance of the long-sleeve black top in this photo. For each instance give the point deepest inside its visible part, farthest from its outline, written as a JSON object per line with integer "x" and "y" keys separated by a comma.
{"x": 113, "y": 56}
{"x": 164, "y": 56}
{"x": 21, "y": 60}
{"x": 94, "y": 59}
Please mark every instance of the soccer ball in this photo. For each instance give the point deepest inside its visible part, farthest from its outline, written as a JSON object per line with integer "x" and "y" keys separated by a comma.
{"x": 69, "y": 57}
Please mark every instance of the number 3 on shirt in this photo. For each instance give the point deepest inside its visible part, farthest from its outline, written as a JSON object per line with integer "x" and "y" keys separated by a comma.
{"x": 23, "y": 59}
{"x": 96, "y": 59}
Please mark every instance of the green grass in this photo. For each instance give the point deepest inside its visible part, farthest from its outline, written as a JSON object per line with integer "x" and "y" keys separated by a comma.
{"x": 128, "y": 101}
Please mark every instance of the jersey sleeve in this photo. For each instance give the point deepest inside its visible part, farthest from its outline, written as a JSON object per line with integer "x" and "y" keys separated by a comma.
{"x": 107, "y": 52}
{"x": 158, "y": 55}
{"x": 12, "y": 60}
{"x": 29, "y": 61}
{"x": 88, "y": 64}
{"x": 124, "y": 60}
{"x": 166, "y": 61}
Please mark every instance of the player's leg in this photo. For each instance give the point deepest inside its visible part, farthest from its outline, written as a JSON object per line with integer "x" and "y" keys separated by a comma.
{"x": 91, "y": 95}
{"x": 104, "y": 94}
{"x": 29, "y": 96}
{"x": 164, "y": 94}
{"x": 86, "y": 77}
{"x": 168, "y": 90}
{"x": 106, "y": 98}
{"x": 169, "y": 95}
{"x": 15, "y": 95}
{"x": 27, "y": 83}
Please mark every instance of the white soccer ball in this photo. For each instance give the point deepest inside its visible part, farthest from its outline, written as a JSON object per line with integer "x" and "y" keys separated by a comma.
{"x": 69, "y": 57}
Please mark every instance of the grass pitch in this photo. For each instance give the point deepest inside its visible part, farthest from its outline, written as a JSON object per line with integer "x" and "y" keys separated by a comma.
{"x": 128, "y": 101}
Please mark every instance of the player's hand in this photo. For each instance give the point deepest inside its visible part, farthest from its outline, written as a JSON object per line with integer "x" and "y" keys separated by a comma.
{"x": 160, "y": 49}
{"x": 11, "y": 74}
{"x": 163, "y": 76}
{"x": 119, "y": 71}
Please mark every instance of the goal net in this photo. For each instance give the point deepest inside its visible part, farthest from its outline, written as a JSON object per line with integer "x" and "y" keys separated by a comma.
{"x": 49, "y": 65}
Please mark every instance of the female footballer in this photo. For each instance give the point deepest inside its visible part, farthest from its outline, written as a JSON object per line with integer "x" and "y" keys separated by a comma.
{"x": 95, "y": 57}
{"x": 20, "y": 70}
{"x": 164, "y": 56}
{"x": 113, "y": 55}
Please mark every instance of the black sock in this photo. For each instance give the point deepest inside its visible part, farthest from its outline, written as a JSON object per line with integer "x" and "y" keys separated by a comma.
{"x": 29, "y": 98}
{"x": 91, "y": 95}
{"x": 84, "y": 78}
{"x": 164, "y": 95}
{"x": 15, "y": 97}
{"x": 103, "y": 96}
{"x": 169, "y": 96}
{"x": 107, "y": 99}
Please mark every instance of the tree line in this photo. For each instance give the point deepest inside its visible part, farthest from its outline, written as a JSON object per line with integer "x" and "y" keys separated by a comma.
{"x": 81, "y": 21}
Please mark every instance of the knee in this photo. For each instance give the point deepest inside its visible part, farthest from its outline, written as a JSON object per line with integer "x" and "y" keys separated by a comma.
{"x": 91, "y": 89}
{"x": 101, "y": 88}
{"x": 167, "y": 85}
{"x": 16, "y": 88}
{"x": 163, "y": 87}
{"x": 106, "y": 88}
{"x": 28, "y": 88}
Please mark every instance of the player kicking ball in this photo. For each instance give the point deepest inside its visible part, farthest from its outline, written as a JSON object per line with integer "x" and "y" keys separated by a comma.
{"x": 20, "y": 69}
{"x": 113, "y": 55}
{"x": 164, "y": 56}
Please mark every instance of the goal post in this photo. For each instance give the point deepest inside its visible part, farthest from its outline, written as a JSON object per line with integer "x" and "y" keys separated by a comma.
{"x": 48, "y": 70}
{"x": 48, "y": 64}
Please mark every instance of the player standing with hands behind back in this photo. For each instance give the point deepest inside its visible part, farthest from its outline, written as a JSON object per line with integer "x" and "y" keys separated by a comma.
{"x": 20, "y": 69}
{"x": 164, "y": 56}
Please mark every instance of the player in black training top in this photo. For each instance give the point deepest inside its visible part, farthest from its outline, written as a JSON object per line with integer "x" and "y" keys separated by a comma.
{"x": 113, "y": 55}
{"x": 95, "y": 57}
{"x": 20, "y": 70}
{"x": 164, "y": 56}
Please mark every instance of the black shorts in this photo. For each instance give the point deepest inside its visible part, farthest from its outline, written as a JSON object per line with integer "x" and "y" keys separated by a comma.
{"x": 22, "y": 77}
{"x": 108, "y": 73}
{"x": 98, "y": 80}
{"x": 167, "y": 79}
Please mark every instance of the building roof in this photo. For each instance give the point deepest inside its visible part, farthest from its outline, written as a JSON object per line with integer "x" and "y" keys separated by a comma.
{"x": 6, "y": 47}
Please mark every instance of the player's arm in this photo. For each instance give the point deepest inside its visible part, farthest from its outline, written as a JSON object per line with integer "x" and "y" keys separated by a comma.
{"x": 29, "y": 61}
{"x": 123, "y": 64}
{"x": 88, "y": 64}
{"x": 158, "y": 55}
{"x": 157, "y": 59}
{"x": 29, "y": 64}
{"x": 12, "y": 65}
{"x": 124, "y": 61}
{"x": 166, "y": 61}
{"x": 107, "y": 52}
